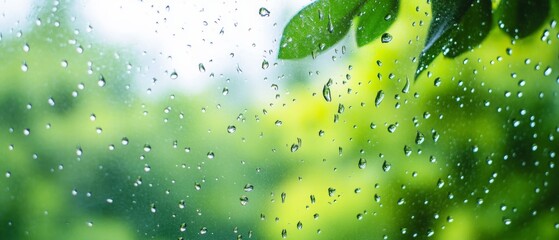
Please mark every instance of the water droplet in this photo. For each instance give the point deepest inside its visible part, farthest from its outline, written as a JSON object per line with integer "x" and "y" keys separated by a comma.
{"x": 152, "y": 208}
{"x": 386, "y": 166}
{"x": 407, "y": 150}
{"x": 147, "y": 168}
{"x": 147, "y": 148}
{"x": 265, "y": 64}
{"x": 210, "y": 155}
{"x": 26, "y": 132}
{"x": 231, "y": 129}
{"x": 124, "y": 141}
{"x": 362, "y": 163}
{"x": 248, "y": 187}
{"x": 419, "y": 138}
{"x": 507, "y": 221}
{"x": 406, "y": 88}
{"x": 547, "y": 71}
{"x": 386, "y": 38}
{"x": 201, "y": 67}
{"x": 440, "y": 183}
{"x": 313, "y": 199}
{"x": 51, "y": 101}
{"x": 379, "y": 98}
{"x": 24, "y": 67}
{"x": 64, "y": 63}
{"x": 203, "y": 230}
{"x": 299, "y": 225}
{"x": 331, "y": 191}
{"x": 283, "y": 196}
{"x": 26, "y": 47}
{"x": 244, "y": 200}
{"x": 8, "y": 174}
{"x": 225, "y": 91}
{"x": 182, "y": 204}
{"x": 294, "y": 147}
{"x": 197, "y": 186}
{"x": 391, "y": 128}
{"x": 326, "y": 93}
{"x": 359, "y": 216}
{"x": 330, "y": 25}
{"x": 264, "y": 12}
{"x": 174, "y": 75}
{"x": 182, "y": 227}
{"x": 79, "y": 151}
{"x": 101, "y": 82}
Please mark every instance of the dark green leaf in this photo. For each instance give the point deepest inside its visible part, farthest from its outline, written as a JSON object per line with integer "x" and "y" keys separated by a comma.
{"x": 317, "y": 27}
{"x": 375, "y": 17}
{"x": 520, "y": 18}
{"x": 457, "y": 27}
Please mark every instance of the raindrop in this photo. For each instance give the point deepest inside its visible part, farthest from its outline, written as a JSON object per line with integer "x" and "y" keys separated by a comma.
{"x": 362, "y": 163}
{"x": 101, "y": 82}
{"x": 440, "y": 183}
{"x": 174, "y": 75}
{"x": 331, "y": 191}
{"x": 386, "y": 166}
{"x": 182, "y": 227}
{"x": 147, "y": 168}
{"x": 64, "y": 63}
{"x": 264, "y": 12}
{"x": 379, "y": 98}
{"x": 313, "y": 199}
{"x": 244, "y": 200}
{"x": 283, "y": 195}
{"x": 153, "y": 209}
{"x": 225, "y": 91}
{"x": 231, "y": 129}
{"x": 507, "y": 221}
{"x": 248, "y": 187}
{"x": 386, "y": 38}
{"x": 265, "y": 64}
{"x": 210, "y": 155}
{"x": 182, "y": 204}
{"x": 197, "y": 186}
{"x": 124, "y": 141}
{"x": 359, "y": 216}
{"x": 407, "y": 150}
{"x": 201, "y": 67}
{"x": 330, "y": 26}
{"x": 147, "y": 148}
{"x": 284, "y": 233}
{"x": 419, "y": 138}
{"x": 26, "y": 47}
{"x": 391, "y": 128}
{"x": 547, "y": 71}
{"x": 24, "y": 67}
{"x": 26, "y": 132}
{"x": 406, "y": 88}
{"x": 326, "y": 93}
{"x": 299, "y": 225}
{"x": 203, "y": 230}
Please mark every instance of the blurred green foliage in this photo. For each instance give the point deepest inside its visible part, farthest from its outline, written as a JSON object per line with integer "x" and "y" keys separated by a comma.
{"x": 471, "y": 147}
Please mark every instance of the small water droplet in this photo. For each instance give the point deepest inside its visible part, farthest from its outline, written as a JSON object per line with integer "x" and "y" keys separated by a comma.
{"x": 440, "y": 183}
{"x": 362, "y": 163}
{"x": 386, "y": 166}
{"x": 379, "y": 98}
{"x": 264, "y": 12}
{"x": 419, "y": 138}
{"x": 201, "y": 67}
{"x": 210, "y": 155}
{"x": 182, "y": 227}
{"x": 231, "y": 129}
{"x": 507, "y": 221}
{"x": 331, "y": 191}
{"x": 284, "y": 233}
{"x": 248, "y": 187}
{"x": 265, "y": 64}
{"x": 283, "y": 196}
{"x": 64, "y": 63}
{"x": 147, "y": 148}
{"x": 24, "y": 67}
{"x": 26, "y": 47}
{"x": 101, "y": 82}
{"x": 203, "y": 230}
{"x": 147, "y": 168}
{"x": 174, "y": 75}
{"x": 152, "y": 208}
{"x": 359, "y": 216}
{"x": 182, "y": 204}
{"x": 547, "y": 71}
{"x": 386, "y": 38}
{"x": 299, "y": 225}
{"x": 244, "y": 200}
{"x": 391, "y": 128}
{"x": 197, "y": 186}
{"x": 26, "y": 132}
{"x": 124, "y": 141}
{"x": 225, "y": 91}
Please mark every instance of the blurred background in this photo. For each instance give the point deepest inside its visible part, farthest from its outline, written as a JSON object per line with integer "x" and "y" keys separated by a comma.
{"x": 172, "y": 120}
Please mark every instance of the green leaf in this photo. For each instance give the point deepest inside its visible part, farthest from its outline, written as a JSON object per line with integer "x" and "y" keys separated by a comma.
{"x": 375, "y": 17}
{"x": 457, "y": 27}
{"x": 521, "y": 18}
{"x": 317, "y": 27}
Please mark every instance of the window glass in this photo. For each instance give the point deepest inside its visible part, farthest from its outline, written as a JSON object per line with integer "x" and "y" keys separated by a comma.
{"x": 279, "y": 119}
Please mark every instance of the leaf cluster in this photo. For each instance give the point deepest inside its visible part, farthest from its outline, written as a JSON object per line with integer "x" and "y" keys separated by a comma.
{"x": 457, "y": 26}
